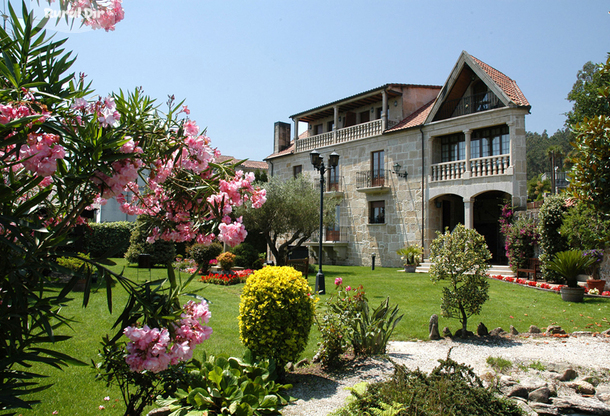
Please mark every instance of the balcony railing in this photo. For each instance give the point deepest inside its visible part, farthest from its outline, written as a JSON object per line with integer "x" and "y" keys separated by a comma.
{"x": 359, "y": 131}
{"x": 370, "y": 179}
{"x": 332, "y": 236}
{"x": 331, "y": 186}
{"x": 482, "y": 166}
{"x": 468, "y": 105}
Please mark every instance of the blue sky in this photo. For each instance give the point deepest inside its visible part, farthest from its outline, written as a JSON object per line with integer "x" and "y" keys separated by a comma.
{"x": 243, "y": 65}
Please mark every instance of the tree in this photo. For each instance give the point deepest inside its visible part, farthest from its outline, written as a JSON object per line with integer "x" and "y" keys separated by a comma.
{"x": 590, "y": 121}
{"x": 460, "y": 258}
{"x": 290, "y": 216}
{"x": 537, "y": 145}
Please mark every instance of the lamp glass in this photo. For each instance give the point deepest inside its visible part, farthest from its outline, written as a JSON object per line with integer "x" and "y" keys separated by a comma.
{"x": 315, "y": 158}
{"x": 333, "y": 159}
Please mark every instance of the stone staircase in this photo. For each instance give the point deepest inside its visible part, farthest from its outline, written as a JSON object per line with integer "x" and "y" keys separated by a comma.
{"x": 495, "y": 269}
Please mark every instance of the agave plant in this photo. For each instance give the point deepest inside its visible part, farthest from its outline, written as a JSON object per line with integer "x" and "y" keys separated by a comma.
{"x": 570, "y": 264}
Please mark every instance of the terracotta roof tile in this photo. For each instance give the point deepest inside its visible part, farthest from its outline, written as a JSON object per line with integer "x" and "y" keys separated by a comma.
{"x": 287, "y": 151}
{"x": 508, "y": 85}
{"x": 415, "y": 119}
{"x": 249, "y": 164}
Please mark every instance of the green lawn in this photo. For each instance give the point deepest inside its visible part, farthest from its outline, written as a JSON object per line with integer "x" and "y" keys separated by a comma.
{"x": 76, "y": 393}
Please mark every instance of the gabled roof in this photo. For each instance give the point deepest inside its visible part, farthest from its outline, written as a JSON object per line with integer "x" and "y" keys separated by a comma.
{"x": 505, "y": 88}
{"x": 415, "y": 119}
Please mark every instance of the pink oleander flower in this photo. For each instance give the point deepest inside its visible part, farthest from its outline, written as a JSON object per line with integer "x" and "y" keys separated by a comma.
{"x": 348, "y": 289}
{"x": 338, "y": 281}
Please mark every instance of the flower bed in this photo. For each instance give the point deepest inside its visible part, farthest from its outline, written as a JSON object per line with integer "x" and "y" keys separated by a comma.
{"x": 227, "y": 279}
{"x": 543, "y": 285}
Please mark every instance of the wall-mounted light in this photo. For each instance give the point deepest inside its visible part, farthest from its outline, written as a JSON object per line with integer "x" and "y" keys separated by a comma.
{"x": 395, "y": 103}
{"x": 339, "y": 118}
{"x": 398, "y": 172}
{"x": 372, "y": 110}
{"x": 438, "y": 204}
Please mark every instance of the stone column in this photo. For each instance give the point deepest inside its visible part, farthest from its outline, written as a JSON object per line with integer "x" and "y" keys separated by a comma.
{"x": 384, "y": 110}
{"x": 335, "y": 123}
{"x": 467, "y": 134}
{"x": 468, "y": 214}
{"x": 296, "y": 129}
{"x": 511, "y": 133}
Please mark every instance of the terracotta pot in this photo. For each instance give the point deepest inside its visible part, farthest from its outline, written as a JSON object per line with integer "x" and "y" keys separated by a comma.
{"x": 598, "y": 284}
{"x": 572, "y": 294}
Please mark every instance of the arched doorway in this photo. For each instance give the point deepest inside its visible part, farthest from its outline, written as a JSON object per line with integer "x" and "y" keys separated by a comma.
{"x": 447, "y": 212}
{"x": 486, "y": 215}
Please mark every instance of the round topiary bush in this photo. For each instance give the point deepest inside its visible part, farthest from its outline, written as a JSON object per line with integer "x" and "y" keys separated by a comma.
{"x": 276, "y": 313}
{"x": 202, "y": 254}
{"x": 245, "y": 255}
{"x": 161, "y": 252}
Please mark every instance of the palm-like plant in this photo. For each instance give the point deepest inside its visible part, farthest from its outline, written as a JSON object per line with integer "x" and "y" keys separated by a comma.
{"x": 570, "y": 264}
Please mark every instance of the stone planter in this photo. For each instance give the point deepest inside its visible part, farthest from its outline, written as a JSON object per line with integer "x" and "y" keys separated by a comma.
{"x": 410, "y": 268}
{"x": 572, "y": 294}
{"x": 598, "y": 284}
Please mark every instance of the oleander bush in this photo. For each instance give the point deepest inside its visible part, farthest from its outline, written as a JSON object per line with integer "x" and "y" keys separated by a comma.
{"x": 550, "y": 219}
{"x": 276, "y": 312}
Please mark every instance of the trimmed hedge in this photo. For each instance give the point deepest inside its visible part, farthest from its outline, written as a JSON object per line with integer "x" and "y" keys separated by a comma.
{"x": 108, "y": 239}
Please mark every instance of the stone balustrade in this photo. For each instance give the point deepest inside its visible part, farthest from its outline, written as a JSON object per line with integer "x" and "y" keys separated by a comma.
{"x": 481, "y": 166}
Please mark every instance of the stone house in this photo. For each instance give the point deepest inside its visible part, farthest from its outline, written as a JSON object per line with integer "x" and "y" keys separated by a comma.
{"x": 414, "y": 159}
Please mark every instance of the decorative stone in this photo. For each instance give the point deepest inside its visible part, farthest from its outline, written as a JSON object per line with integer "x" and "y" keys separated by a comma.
{"x": 606, "y": 332}
{"x": 541, "y": 395}
{"x": 582, "y": 387}
{"x": 482, "y": 330}
{"x": 304, "y": 362}
{"x": 582, "y": 334}
{"x": 543, "y": 409}
{"x": 569, "y": 374}
{"x": 583, "y": 405}
{"x": 513, "y": 331}
{"x": 447, "y": 332}
{"x": 534, "y": 330}
{"x": 433, "y": 328}
{"x": 497, "y": 332}
{"x": 459, "y": 334}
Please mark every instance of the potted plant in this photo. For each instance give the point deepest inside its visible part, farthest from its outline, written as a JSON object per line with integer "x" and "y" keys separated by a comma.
{"x": 410, "y": 256}
{"x": 594, "y": 282}
{"x": 569, "y": 264}
{"x": 226, "y": 260}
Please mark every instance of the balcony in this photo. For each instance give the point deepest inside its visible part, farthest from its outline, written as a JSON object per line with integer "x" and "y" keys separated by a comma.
{"x": 482, "y": 166}
{"x": 333, "y": 187}
{"x": 373, "y": 182}
{"x": 468, "y": 105}
{"x": 359, "y": 131}
{"x": 334, "y": 244}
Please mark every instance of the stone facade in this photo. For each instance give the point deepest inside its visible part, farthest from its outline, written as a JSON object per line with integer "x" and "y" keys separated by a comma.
{"x": 397, "y": 129}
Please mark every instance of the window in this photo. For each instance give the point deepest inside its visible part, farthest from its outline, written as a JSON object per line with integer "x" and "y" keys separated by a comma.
{"x": 318, "y": 129}
{"x": 365, "y": 117}
{"x": 377, "y": 212}
{"x": 490, "y": 142}
{"x": 297, "y": 170}
{"x": 330, "y": 126}
{"x": 377, "y": 168}
{"x": 378, "y": 113}
{"x": 333, "y": 233}
{"x": 333, "y": 179}
{"x": 453, "y": 147}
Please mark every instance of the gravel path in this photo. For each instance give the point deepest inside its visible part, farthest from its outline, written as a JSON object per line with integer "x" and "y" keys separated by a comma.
{"x": 320, "y": 395}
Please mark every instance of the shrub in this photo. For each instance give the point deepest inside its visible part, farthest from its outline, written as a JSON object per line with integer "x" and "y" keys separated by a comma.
{"x": 521, "y": 238}
{"x": 161, "y": 252}
{"x": 109, "y": 239}
{"x": 410, "y": 255}
{"x": 75, "y": 264}
{"x": 451, "y": 389}
{"x": 585, "y": 228}
{"x": 550, "y": 219}
{"x": 228, "y": 386}
{"x": 226, "y": 260}
{"x": 202, "y": 254}
{"x": 461, "y": 257}
{"x": 276, "y": 313}
{"x": 245, "y": 255}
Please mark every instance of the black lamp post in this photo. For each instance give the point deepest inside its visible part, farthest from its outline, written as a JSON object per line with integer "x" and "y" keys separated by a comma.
{"x": 318, "y": 163}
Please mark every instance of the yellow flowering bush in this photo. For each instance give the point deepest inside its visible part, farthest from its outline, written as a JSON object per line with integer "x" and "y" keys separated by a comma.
{"x": 276, "y": 312}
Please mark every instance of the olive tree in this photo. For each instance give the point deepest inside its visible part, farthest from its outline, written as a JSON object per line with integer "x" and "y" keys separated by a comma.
{"x": 460, "y": 258}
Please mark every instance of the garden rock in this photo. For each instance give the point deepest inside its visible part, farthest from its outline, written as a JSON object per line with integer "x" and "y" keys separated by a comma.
{"x": 580, "y": 404}
{"x": 482, "y": 330}
{"x": 433, "y": 328}
{"x": 527, "y": 410}
{"x": 555, "y": 330}
{"x": 513, "y": 331}
{"x": 518, "y": 391}
{"x": 447, "y": 332}
{"x": 497, "y": 332}
{"x": 582, "y": 334}
{"x": 569, "y": 374}
{"x": 582, "y": 387}
{"x": 541, "y": 395}
{"x": 543, "y": 409}
{"x": 606, "y": 332}
{"x": 534, "y": 329}
{"x": 459, "y": 334}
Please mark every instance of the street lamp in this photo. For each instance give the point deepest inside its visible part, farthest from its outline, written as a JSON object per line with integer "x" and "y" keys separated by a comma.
{"x": 318, "y": 163}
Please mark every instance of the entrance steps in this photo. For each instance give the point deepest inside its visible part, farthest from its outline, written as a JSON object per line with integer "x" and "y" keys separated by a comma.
{"x": 494, "y": 270}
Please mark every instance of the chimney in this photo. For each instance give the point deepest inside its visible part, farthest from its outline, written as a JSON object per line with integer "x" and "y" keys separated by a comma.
{"x": 281, "y": 136}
